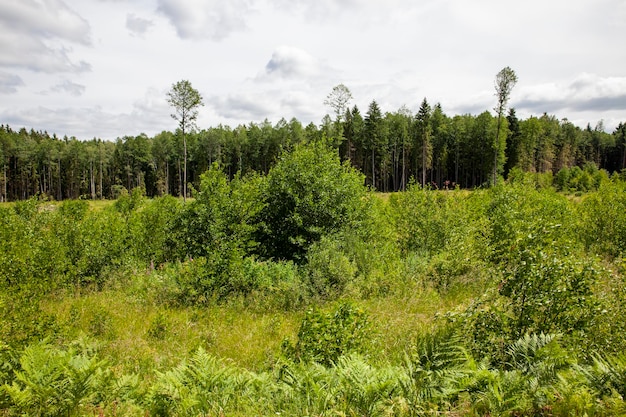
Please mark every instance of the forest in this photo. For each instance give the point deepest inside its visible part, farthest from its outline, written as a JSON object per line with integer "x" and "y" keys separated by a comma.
{"x": 389, "y": 149}
{"x": 294, "y": 288}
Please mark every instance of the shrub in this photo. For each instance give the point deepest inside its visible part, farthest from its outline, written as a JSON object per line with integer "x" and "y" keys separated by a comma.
{"x": 324, "y": 337}
{"x": 308, "y": 193}
{"x": 602, "y": 217}
{"x": 222, "y": 215}
{"x": 330, "y": 271}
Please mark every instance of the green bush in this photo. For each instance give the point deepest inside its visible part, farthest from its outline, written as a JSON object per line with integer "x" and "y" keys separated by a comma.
{"x": 222, "y": 215}
{"x": 278, "y": 285}
{"x": 330, "y": 271}
{"x": 521, "y": 217}
{"x": 325, "y": 337}
{"x": 309, "y": 193}
{"x": 602, "y": 217}
{"x": 152, "y": 228}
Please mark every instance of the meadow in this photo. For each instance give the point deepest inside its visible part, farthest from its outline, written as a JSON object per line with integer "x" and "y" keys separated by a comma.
{"x": 303, "y": 293}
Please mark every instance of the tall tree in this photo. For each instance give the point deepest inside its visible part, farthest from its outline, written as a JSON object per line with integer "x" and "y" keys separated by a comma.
{"x": 185, "y": 100}
{"x": 620, "y": 140}
{"x": 505, "y": 81}
{"x": 512, "y": 142}
{"x": 423, "y": 124}
{"x": 338, "y": 100}
{"x": 374, "y": 134}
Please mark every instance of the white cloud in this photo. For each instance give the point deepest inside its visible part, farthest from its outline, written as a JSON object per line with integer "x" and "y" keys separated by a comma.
{"x": 395, "y": 52}
{"x": 149, "y": 114}
{"x": 9, "y": 82}
{"x": 586, "y": 92}
{"x": 200, "y": 19}
{"x": 137, "y": 25}
{"x": 244, "y": 106}
{"x": 69, "y": 87}
{"x": 34, "y": 34}
{"x": 289, "y": 62}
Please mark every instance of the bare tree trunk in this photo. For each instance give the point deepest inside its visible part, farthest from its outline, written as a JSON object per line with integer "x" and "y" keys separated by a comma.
{"x": 180, "y": 178}
{"x": 167, "y": 177}
{"x": 4, "y": 194}
{"x": 92, "y": 181}
{"x": 403, "y": 181}
{"x": 185, "y": 173}
{"x": 101, "y": 187}
{"x": 424, "y": 162}
{"x": 59, "y": 194}
{"x": 496, "y": 149}
{"x": 373, "y": 171}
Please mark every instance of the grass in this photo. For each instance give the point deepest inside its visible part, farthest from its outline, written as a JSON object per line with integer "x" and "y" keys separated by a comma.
{"x": 123, "y": 328}
{"x": 138, "y": 334}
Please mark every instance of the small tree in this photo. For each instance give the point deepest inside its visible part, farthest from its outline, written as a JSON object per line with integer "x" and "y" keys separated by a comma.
{"x": 185, "y": 100}
{"x": 309, "y": 193}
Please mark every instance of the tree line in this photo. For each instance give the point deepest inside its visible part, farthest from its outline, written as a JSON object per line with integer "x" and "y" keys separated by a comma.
{"x": 389, "y": 148}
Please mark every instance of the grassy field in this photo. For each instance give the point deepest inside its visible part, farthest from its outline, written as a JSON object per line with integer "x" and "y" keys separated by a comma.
{"x": 508, "y": 301}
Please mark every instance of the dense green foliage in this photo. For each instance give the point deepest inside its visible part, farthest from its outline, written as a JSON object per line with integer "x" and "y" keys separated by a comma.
{"x": 300, "y": 292}
{"x": 388, "y": 148}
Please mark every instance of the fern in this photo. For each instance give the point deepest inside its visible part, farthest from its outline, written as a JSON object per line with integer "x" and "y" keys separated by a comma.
{"x": 201, "y": 385}
{"x": 53, "y": 382}
{"x": 530, "y": 381}
{"x": 435, "y": 370}
{"x": 607, "y": 375}
{"x": 310, "y": 388}
{"x": 363, "y": 389}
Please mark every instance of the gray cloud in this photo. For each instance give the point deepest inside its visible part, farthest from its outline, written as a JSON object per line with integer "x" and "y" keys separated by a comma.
{"x": 200, "y": 19}
{"x": 34, "y": 34}
{"x": 149, "y": 114}
{"x": 9, "y": 83}
{"x": 244, "y": 106}
{"x": 137, "y": 25}
{"x": 30, "y": 52}
{"x": 587, "y": 92}
{"x": 69, "y": 87}
{"x": 289, "y": 62}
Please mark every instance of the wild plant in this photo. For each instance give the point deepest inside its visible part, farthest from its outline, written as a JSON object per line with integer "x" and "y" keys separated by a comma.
{"x": 52, "y": 382}
{"x": 436, "y": 367}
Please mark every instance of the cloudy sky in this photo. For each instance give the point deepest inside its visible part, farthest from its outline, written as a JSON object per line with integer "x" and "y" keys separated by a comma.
{"x": 102, "y": 68}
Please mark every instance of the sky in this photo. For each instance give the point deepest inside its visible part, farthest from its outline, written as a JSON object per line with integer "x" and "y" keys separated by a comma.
{"x": 102, "y": 68}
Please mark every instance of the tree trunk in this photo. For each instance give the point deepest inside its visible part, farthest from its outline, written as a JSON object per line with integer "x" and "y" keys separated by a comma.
{"x": 92, "y": 181}
{"x": 4, "y": 186}
{"x": 424, "y": 162}
{"x": 496, "y": 149}
{"x": 373, "y": 171}
{"x": 59, "y": 194}
{"x": 185, "y": 173}
{"x": 167, "y": 177}
{"x": 403, "y": 181}
{"x": 101, "y": 187}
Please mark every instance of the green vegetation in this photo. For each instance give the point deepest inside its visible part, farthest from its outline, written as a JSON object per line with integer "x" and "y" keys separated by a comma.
{"x": 387, "y": 147}
{"x": 300, "y": 292}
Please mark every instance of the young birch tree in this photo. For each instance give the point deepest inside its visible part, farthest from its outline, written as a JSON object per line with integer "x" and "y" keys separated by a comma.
{"x": 505, "y": 81}
{"x": 185, "y": 100}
